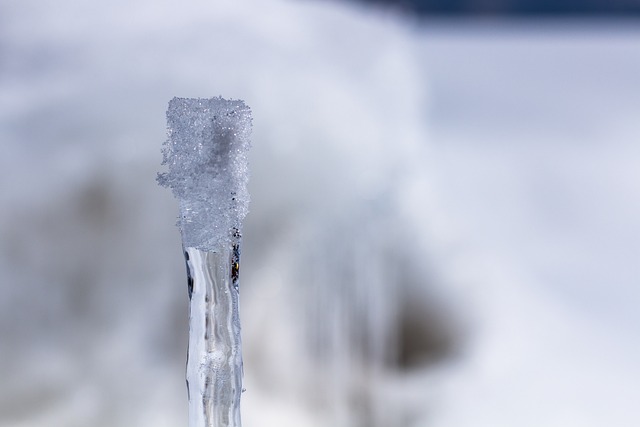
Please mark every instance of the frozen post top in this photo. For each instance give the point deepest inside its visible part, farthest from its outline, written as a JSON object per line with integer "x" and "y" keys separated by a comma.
{"x": 206, "y": 153}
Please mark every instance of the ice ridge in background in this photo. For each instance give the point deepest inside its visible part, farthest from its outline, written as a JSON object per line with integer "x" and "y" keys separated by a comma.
{"x": 206, "y": 153}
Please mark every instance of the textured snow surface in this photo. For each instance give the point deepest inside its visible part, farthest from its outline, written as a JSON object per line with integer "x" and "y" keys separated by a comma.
{"x": 206, "y": 154}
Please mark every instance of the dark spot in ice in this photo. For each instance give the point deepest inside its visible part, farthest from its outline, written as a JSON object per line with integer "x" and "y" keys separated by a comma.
{"x": 207, "y": 323}
{"x": 235, "y": 260}
{"x": 190, "y": 286}
{"x": 235, "y": 272}
{"x": 189, "y": 277}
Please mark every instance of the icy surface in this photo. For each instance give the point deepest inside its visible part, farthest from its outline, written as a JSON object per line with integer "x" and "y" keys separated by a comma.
{"x": 214, "y": 359}
{"x": 533, "y": 132}
{"x": 207, "y": 158}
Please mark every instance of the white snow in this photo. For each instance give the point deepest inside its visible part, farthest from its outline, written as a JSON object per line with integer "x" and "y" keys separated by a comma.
{"x": 206, "y": 154}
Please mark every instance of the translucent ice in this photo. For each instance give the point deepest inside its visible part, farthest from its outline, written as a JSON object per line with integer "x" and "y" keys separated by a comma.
{"x": 207, "y": 158}
{"x": 206, "y": 154}
{"x": 214, "y": 358}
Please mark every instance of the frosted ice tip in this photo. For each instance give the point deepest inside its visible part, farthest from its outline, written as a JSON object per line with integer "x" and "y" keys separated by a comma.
{"x": 206, "y": 154}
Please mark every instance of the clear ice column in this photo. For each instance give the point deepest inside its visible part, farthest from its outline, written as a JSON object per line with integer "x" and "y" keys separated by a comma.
{"x": 214, "y": 360}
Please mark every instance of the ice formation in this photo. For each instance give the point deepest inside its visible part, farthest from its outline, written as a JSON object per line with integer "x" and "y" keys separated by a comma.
{"x": 207, "y": 157}
{"x": 206, "y": 154}
{"x": 214, "y": 357}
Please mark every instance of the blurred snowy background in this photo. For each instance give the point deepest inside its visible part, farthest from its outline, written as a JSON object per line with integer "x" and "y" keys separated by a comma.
{"x": 444, "y": 228}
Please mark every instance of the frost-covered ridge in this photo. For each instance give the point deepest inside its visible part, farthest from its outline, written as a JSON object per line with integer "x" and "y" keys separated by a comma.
{"x": 206, "y": 154}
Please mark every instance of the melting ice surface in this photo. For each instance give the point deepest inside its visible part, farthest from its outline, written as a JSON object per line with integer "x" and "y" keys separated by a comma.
{"x": 214, "y": 360}
{"x": 207, "y": 158}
